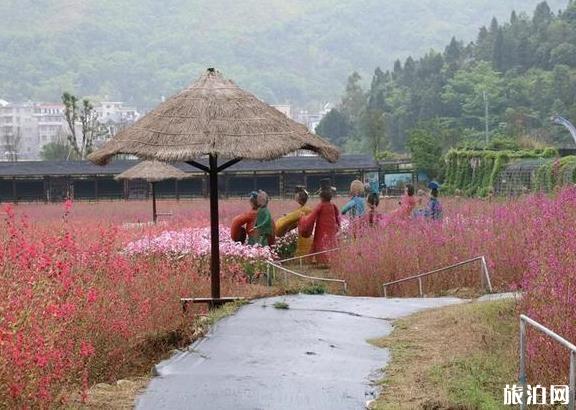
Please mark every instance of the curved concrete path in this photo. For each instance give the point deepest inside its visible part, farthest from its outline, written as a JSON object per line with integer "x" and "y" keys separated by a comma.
{"x": 314, "y": 355}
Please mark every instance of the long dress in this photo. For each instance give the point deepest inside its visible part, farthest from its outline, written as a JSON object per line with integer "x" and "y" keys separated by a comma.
{"x": 324, "y": 221}
{"x": 406, "y": 210}
{"x": 407, "y": 205}
{"x": 434, "y": 209}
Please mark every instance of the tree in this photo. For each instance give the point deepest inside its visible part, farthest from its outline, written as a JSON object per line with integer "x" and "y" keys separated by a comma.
{"x": 453, "y": 51}
{"x": 56, "y": 151}
{"x": 335, "y": 127}
{"x": 465, "y": 92}
{"x": 426, "y": 152}
{"x": 513, "y": 18}
{"x": 498, "y": 52}
{"x": 84, "y": 116}
{"x": 564, "y": 53}
{"x": 354, "y": 98}
{"x": 494, "y": 26}
{"x": 374, "y": 131}
{"x": 542, "y": 15}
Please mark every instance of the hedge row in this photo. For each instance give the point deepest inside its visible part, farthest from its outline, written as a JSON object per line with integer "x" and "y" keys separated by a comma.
{"x": 473, "y": 172}
{"x": 554, "y": 173}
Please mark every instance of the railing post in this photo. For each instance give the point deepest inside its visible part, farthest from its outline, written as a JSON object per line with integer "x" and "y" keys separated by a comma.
{"x": 420, "y": 286}
{"x": 301, "y": 262}
{"x": 482, "y": 274}
{"x": 486, "y": 274}
{"x": 523, "y": 363}
{"x": 385, "y": 291}
{"x": 268, "y": 274}
{"x": 572, "y": 391}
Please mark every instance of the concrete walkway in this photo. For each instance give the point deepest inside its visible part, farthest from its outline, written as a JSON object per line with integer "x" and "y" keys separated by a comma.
{"x": 313, "y": 355}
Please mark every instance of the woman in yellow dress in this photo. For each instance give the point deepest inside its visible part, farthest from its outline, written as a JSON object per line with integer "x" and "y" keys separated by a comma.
{"x": 290, "y": 221}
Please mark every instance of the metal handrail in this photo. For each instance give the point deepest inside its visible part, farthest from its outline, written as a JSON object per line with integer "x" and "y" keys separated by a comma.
{"x": 306, "y": 256}
{"x": 300, "y": 275}
{"x": 572, "y": 387}
{"x": 484, "y": 267}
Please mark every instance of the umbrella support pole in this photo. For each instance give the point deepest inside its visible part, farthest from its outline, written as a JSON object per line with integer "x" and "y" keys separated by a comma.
{"x": 154, "y": 213}
{"x": 214, "y": 229}
{"x": 212, "y": 170}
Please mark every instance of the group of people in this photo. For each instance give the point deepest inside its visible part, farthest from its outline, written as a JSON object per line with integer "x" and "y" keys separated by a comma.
{"x": 318, "y": 227}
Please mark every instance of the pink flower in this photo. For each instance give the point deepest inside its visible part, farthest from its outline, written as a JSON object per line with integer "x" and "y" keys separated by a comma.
{"x": 86, "y": 349}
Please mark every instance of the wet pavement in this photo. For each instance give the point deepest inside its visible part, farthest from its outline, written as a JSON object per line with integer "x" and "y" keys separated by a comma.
{"x": 313, "y": 355}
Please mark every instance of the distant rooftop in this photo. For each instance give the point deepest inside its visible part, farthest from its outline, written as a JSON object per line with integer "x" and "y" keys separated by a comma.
{"x": 86, "y": 168}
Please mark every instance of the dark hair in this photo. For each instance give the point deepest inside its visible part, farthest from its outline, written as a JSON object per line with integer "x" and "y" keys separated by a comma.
{"x": 410, "y": 189}
{"x": 326, "y": 195}
{"x": 434, "y": 193}
{"x": 301, "y": 195}
{"x": 373, "y": 199}
{"x": 253, "y": 198}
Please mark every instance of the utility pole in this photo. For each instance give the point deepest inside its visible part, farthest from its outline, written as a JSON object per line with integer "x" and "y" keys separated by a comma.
{"x": 486, "y": 128}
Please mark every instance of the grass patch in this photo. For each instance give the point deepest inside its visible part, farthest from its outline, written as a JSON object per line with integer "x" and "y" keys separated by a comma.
{"x": 281, "y": 305}
{"x": 307, "y": 289}
{"x": 459, "y": 357}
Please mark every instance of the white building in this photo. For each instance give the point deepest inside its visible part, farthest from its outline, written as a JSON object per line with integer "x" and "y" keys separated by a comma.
{"x": 51, "y": 123}
{"x": 19, "y": 139}
{"x": 115, "y": 111}
{"x": 311, "y": 120}
{"x": 114, "y": 116}
{"x": 25, "y": 128}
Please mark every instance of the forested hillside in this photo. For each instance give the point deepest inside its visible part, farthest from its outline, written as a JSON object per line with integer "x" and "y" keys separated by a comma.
{"x": 299, "y": 51}
{"x": 519, "y": 72}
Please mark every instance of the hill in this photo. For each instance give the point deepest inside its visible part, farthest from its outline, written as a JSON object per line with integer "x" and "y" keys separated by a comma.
{"x": 299, "y": 51}
{"x": 498, "y": 92}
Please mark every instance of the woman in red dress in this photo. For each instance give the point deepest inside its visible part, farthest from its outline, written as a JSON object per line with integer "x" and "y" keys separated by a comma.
{"x": 407, "y": 203}
{"x": 324, "y": 221}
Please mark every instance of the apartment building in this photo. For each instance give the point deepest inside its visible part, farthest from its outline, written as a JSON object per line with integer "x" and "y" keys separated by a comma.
{"x": 26, "y": 127}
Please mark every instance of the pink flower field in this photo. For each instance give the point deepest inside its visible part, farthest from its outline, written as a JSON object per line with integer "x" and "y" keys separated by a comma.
{"x": 87, "y": 286}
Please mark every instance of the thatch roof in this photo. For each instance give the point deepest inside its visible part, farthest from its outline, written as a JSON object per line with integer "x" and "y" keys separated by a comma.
{"x": 152, "y": 171}
{"x": 214, "y": 116}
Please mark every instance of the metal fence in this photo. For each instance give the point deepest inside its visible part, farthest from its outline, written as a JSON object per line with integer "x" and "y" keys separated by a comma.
{"x": 485, "y": 275}
{"x": 302, "y": 257}
{"x": 524, "y": 320}
{"x": 271, "y": 273}
{"x": 273, "y": 266}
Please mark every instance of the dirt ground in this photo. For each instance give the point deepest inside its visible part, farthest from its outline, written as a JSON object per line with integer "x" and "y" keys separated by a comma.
{"x": 458, "y": 357}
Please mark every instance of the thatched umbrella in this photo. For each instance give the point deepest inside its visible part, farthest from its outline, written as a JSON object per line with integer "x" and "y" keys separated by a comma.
{"x": 214, "y": 118}
{"x": 152, "y": 172}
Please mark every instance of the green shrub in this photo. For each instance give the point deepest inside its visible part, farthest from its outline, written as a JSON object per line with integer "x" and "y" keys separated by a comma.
{"x": 475, "y": 171}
